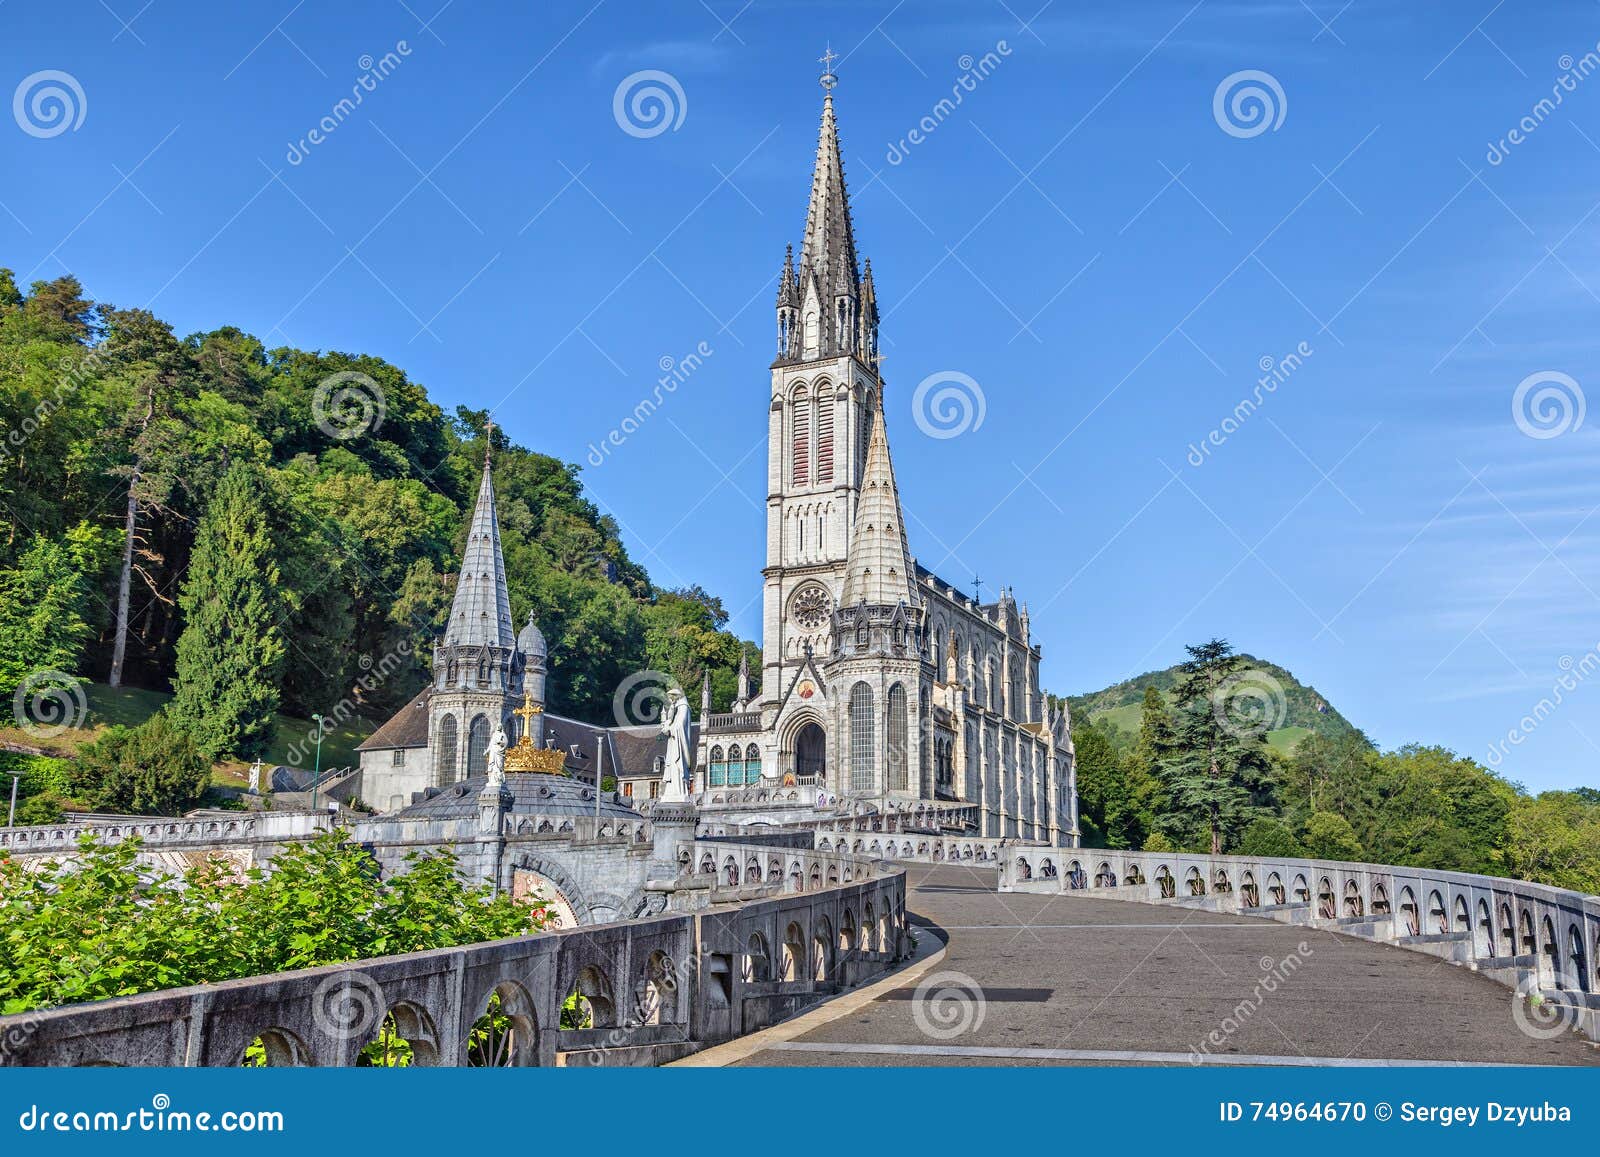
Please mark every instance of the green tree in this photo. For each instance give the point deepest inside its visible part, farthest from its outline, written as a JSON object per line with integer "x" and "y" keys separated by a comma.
{"x": 230, "y": 656}
{"x": 1330, "y": 837}
{"x": 152, "y": 769}
{"x": 1216, "y": 763}
{"x": 1105, "y": 800}
{"x": 43, "y": 613}
{"x": 1268, "y": 837}
{"x": 1554, "y": 838}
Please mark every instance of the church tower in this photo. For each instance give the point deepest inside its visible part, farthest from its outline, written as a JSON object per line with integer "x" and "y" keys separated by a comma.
{"x": 824, "y": 397}
{"x": 842, "y": 680}
{"x": 481, "y": 666}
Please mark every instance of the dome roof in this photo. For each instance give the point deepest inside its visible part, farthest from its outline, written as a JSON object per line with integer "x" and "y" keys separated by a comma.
{"x": 530, "y": 641}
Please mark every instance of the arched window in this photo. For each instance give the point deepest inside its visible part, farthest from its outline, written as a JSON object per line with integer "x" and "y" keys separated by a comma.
{"x": 896, "y": 738}
{"x": 800, "y": 438}
{"x": 824, "y": 426}
{"x": 813, "y": 333}
{"x": 718, "y": 768}
{"x": 861, "y": 745}
{"x": 478, "y": 747}
{"x": 752, "y": 764}
{"x": 865, "y": 428}
{"x": 444, "y": 765}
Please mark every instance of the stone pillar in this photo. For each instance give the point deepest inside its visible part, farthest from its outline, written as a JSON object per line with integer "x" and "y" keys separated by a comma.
{"x": 494, "y": 801}
{"x": 673, "y": 827}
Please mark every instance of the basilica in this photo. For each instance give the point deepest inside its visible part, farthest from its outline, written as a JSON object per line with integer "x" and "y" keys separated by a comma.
{"x": 882, "y": 686}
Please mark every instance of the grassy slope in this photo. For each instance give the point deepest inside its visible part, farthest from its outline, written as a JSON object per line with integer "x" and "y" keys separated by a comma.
{"x": 130, "y": 706}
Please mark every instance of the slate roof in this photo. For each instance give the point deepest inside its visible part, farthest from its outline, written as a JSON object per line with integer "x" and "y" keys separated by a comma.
{"x": 408, "y": 727}
{"x": 532, "y": 794}
{"x": 633, "y": 750}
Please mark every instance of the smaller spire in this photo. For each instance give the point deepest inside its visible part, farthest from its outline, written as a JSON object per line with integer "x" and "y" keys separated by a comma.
{"x": 744, "y": 677}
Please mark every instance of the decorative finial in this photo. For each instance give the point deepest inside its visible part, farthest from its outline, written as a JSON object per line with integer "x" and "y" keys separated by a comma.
{"x": 828, "y": 78}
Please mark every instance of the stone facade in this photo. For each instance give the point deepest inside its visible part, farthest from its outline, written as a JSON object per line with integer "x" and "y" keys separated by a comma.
{"x": 881, "y": 683}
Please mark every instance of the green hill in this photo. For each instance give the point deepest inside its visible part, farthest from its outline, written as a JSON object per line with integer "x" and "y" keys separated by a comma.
{"x": 1300, "y": 711}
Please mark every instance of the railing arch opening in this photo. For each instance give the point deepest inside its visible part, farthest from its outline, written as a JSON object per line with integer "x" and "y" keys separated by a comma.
{"x": 1195, "y": 882}
{"x": 1483, "y": 934}
{"x": 275, "y": 1048}
{"x": 590, "y": 1003}
{"x": 1353, "y": 905}
{"x": 1275, "y": 891}
{"x": 1438, "y": 920}
{"x": 507, "y": 1034}
{"x": 1165, "y": 881}
{"x": 1327, "y": 907}
{"x": 1410, "y": 917}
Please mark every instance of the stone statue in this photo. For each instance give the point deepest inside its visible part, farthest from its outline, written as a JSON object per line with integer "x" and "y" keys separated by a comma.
{"x": 496, "y": 756}
{"x": 675, "y": 766}
{"x": 255, "y": 778}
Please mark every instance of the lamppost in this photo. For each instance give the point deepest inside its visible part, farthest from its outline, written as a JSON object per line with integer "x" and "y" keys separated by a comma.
{"x": 16, "y": 778}
{"x": 316, "y": 772}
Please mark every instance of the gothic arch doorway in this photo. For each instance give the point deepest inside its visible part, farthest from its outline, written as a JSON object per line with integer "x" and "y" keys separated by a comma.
{"x": 811, "y": 751}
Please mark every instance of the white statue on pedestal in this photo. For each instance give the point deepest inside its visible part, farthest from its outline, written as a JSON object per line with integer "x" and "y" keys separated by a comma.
{"x": 255, "y": 778}
{"x": 496, "y": 756}
{"x": 676, "y": 765}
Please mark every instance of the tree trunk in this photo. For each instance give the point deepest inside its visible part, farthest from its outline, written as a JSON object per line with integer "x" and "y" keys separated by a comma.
{"x": 130, "y": 528}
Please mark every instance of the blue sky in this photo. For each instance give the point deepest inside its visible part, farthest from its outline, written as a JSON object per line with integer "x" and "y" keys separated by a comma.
{"x": 1082, "y": 237}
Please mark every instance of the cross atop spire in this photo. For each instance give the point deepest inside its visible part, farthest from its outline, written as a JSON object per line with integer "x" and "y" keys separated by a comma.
{"x": 826, "y": 60}
{"x": 488, "y": 440}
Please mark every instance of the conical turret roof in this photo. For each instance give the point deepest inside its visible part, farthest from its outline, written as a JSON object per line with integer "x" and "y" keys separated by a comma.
{"x": 878, "y": 570}
{"x": 481, "y": 613}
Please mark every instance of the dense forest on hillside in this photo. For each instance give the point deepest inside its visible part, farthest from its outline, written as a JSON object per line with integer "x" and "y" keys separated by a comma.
{"x": 330, "y": 498}
{"x": 1193, "y": 770}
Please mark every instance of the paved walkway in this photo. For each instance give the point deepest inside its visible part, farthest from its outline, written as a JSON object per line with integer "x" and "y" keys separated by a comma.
{"x": 1074, "y": 980}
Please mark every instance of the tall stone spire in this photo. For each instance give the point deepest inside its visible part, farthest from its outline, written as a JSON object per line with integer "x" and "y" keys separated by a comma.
{"x": 820, "y": 310}
{"x": 878, "y": 569}
{"x": 481, "y": 613}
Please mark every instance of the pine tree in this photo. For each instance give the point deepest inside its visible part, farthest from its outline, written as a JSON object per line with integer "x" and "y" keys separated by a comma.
{"x": 230, "y": 655}
{"x": 42, "y": 622}
{"x": 1217, "y": 757}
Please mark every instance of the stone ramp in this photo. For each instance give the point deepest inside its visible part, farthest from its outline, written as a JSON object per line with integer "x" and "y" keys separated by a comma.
{"x": 1068, "y": 979}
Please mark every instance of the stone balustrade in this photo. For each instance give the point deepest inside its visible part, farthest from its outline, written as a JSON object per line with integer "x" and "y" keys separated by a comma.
{"x": 1530, "y": 937}
{"x": 657, "y": 989}
{"x": 159, "y": 833}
